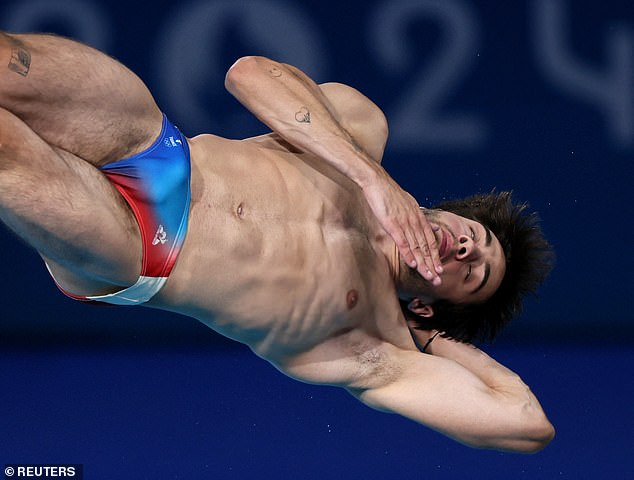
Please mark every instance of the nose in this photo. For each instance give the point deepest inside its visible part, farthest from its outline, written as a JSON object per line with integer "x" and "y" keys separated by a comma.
{"x": 466, "y": 248}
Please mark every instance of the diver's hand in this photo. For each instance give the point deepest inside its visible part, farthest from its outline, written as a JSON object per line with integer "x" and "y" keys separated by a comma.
{"x": 401, "y": 217}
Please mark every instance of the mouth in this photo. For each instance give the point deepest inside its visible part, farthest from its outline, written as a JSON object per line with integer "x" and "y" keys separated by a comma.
{"x": 445, "y": 245}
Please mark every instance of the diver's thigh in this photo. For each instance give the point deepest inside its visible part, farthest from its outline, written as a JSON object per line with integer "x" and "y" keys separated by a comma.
{"x": 76, "y": 97}
{"x": 65, "y": 208}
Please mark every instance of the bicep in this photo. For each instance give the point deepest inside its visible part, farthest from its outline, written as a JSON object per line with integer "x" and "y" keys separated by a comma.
{"x": 444, "y": 396}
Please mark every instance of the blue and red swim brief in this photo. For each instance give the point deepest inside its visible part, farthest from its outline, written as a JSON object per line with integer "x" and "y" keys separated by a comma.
{"x": 155, "y": 183}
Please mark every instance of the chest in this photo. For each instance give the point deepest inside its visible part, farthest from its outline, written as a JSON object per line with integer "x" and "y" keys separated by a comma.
{"x": 280, "y": 251}
{"x": 279, "y": 206}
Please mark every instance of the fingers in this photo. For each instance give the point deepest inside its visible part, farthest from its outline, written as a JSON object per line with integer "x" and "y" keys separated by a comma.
{"x": 422, "y": 255}
{"x": 419, "y": 249}
{"x": 403, "y": 220}
{"x": 429, "y": 264}
{"x": 402, "y": 243}
{"x": 430, "y": 237}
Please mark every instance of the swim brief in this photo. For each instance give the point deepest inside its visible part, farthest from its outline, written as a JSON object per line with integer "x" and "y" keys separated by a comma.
{"x": 155, "y": 183}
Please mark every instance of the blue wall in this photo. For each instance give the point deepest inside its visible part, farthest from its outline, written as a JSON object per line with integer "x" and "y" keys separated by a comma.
{"x": 534, "y": 96}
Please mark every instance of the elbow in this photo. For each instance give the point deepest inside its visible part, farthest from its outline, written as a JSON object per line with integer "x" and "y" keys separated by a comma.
{"x": 237, "y": 73}
{"x": 532, "y": 436}
{"x": 536, "y": 430}
{"x": 241, "y": 72}
{"x": 540, "y": 436}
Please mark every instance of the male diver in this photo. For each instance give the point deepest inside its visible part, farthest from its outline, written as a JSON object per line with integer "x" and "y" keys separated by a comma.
{"x": 296, "y": 243}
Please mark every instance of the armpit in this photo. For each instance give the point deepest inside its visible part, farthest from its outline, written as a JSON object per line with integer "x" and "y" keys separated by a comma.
{"x": 374, "y": 366}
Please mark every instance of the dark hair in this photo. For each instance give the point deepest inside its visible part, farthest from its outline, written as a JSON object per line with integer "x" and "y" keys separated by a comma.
{"x": 529, "y": 259}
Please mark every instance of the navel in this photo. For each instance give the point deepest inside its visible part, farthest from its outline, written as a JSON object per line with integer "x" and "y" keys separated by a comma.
{"x": 240, "y": 210}
{"x": 352, "y": 298}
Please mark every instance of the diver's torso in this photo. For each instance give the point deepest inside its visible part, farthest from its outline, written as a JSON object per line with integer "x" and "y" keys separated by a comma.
{"x": 281, "y": 252}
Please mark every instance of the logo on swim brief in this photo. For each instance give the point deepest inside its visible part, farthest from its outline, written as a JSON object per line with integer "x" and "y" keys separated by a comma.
{"x": 171, "y": 142}
{"x": 160, "y": 236}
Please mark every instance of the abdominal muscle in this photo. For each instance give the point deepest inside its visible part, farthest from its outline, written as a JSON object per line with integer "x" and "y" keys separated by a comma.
{"x": 278, "y": 254}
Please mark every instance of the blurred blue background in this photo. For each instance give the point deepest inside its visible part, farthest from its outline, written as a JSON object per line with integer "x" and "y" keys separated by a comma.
{"x": 534, "y": 96}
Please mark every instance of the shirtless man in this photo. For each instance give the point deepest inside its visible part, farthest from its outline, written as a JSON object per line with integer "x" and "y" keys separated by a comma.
{"x": 297, "y": 243}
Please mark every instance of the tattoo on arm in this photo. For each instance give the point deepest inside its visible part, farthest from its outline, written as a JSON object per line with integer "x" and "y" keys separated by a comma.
{"x": 303, "y": 115}
{"x": 20, "y": 61}
{"x": 275, "y": 72}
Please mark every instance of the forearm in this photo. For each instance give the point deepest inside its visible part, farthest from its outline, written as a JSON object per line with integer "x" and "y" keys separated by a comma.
{"x": 491, "y": 372}
{"x": 291, "y": 104}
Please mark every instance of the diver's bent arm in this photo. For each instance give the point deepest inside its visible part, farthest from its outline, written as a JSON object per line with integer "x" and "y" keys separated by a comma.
{"x": 291, "y": 104}
{"x": 500, "y": 413}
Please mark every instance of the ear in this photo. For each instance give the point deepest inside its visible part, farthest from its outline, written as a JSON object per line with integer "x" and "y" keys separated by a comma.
{"x": 418, "y": 307}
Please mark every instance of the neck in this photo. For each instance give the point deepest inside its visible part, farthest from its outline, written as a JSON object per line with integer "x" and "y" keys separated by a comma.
{"x": 387, "y": 246}
{"x": 409, "y": 283}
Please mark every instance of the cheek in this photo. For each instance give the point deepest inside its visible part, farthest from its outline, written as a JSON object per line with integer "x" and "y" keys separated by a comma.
{"x": 450, "y": 286}
{"x": 450, "y": 273}
{"x": 447, "y": 286}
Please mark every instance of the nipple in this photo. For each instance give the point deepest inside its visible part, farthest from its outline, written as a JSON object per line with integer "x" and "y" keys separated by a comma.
{"x": 352, "y": 298}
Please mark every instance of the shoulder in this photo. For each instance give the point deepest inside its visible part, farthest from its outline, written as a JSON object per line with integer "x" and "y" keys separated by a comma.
{"x": 363, "y": 119}
{"x": 353, "y": 359}
{"x": 350, "y": 102}
{"x": 353, "y": 106}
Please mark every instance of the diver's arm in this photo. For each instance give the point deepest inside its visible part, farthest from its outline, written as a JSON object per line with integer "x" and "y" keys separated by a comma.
{"x": 466, "y": 354}
{"x": 294, "y": 106}
{"x": 483, "y": 406}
